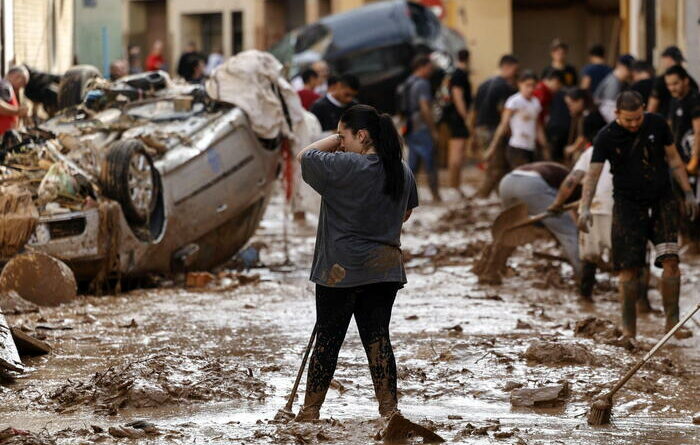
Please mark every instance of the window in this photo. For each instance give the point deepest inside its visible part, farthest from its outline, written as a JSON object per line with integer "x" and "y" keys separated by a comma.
{"x": 237, "y": 32}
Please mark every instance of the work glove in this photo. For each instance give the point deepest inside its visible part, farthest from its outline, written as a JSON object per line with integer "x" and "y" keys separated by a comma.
{"x": 691, "y": 205}
{"x": 585, "y": 219}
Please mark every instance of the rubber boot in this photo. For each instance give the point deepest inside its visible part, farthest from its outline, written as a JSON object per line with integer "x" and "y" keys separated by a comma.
{"x": 312, "y": 406}
{"x": 670, "y": 293}
{"x": 382, "y": 366}
{"x": 630, "y": 293}
{"x": 588, "y": 270}
{"x": 643, "y": 305}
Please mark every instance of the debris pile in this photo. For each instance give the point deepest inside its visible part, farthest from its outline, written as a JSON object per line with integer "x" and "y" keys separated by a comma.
{"x": 68, "y": 162}
{"x": 554, "y": 353}
{"x": 160, "y": 379}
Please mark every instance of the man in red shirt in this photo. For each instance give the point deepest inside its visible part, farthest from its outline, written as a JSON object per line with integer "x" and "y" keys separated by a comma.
{"x": 307, "y": 94}
{"x": 545, "y": 90}
{"x": 10, "y": 109}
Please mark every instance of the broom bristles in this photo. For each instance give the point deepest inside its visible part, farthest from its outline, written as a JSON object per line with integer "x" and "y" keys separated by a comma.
{"x": 600, "y": 412}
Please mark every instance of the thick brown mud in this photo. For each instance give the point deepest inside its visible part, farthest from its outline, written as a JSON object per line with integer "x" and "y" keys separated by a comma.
{"x": 213, "y": 365}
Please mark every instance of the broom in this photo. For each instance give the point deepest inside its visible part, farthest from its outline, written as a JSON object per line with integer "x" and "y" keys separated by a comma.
{"x": 601, "y": 409}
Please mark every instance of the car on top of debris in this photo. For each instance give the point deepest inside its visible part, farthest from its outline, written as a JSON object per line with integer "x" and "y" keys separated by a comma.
{"x": 146, "y": 175}
{"x": 376, "y": 43}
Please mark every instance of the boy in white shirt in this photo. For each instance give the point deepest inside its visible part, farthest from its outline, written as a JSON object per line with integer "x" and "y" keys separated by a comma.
{"x": 520, "y": 115}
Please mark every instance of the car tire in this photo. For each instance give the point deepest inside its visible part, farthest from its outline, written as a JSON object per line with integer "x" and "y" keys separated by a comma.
{"x": 129, "y": 176}
{"x": 71, "y": 89}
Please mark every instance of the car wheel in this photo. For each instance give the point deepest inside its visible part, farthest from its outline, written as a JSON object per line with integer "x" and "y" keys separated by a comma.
{"x": 129, "y": 177}
{"x": 71, "y": 90}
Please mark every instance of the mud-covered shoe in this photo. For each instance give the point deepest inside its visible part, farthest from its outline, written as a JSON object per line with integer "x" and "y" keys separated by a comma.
{"x": 308, "y": 414}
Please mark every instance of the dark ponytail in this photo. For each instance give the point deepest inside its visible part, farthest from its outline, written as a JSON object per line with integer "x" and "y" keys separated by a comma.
{"x": 386, "y": 142}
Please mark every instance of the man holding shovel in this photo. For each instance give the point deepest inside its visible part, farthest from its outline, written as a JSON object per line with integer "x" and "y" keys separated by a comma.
{"x": 640, "y": 149}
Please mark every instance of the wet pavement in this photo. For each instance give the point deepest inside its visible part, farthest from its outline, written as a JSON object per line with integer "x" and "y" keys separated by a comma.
{"x": 215, "y": 365}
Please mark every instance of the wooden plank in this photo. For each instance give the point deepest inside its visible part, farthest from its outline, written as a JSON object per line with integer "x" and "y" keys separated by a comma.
{"x": 9, "y": 357}
{"x": 28, "y": 345}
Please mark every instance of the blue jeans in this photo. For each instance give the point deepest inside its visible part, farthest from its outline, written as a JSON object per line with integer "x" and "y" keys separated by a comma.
{"x": 538, "y": 195}
{"x": 420, "y": 149}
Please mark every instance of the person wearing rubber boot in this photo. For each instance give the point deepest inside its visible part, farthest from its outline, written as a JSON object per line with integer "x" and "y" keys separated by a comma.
{"x": 367, "y": 193}
{"x": 640, "y": 149}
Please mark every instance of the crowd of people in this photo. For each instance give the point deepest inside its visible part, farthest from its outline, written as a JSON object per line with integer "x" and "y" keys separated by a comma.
{"x": 616, "y": 142}
{"x": 193, "y": 65}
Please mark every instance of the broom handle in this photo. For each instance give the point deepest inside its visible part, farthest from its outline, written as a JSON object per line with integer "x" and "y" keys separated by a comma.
{"x": 290, "y": 400}
{"x": 658, "y": 346}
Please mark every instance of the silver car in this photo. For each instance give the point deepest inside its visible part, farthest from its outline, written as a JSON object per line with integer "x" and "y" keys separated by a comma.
{"x": 188, "y": 180}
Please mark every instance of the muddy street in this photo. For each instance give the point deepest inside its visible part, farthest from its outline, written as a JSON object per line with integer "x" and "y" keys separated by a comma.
{"x": 214, "y": 364}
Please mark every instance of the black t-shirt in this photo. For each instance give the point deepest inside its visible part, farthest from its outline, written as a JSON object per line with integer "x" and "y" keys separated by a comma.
{"x": 593, "y": 122}
{"x": 637, "y": 160}
{"x": 660, "y": 91}
{"x": 570, "y": 75}
{"x": 682, "y": 113}
{"x": 460, "y": 78}
{"x": 328, "y": 113}
{"x": 559, "y": 116}
{"x": 490, "y": 97}
{"x": 644, "y": 88}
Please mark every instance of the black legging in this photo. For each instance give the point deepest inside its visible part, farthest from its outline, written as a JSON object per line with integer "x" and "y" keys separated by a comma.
{"x": 371, "y": 304}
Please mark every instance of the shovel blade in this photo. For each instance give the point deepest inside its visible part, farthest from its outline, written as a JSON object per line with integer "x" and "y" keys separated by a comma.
{"x": 508, "y": 218}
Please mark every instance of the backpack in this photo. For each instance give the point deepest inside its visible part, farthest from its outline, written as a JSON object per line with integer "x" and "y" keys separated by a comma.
{"x": 403, "y": 102}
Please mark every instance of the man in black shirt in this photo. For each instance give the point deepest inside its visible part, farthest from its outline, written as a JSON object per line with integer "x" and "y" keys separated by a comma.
{"x": 685, "y": 123}
{"x": 660, "y": 99}
{"x": 189, "y": 62}
{"x": 684, "y": 115}
{"x": 458, "y": 119}
{"x": 341, "y": 96}
{"x": 490, "y": 98}
{"x": 558, "y": 52}
{"x": 640, "y": 149}
{"x": 643, "y": 79}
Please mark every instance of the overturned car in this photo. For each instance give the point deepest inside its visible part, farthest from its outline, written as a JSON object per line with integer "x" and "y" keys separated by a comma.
{"x": 376, "y": 43}
{"x": 151, "y": 176}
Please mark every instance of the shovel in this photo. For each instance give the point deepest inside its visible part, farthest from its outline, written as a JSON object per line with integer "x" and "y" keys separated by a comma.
{"x": 516, "y": 217}
{"x": 286, "y": 414}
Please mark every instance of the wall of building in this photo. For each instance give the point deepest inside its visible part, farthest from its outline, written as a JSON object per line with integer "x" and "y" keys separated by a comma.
{"x": 487, "y": 26}
{"x": 577, "y": 25}
{"x": 253, "y": 23}
{"x": 98, "y": 32}
{"x": 43, "y": 33}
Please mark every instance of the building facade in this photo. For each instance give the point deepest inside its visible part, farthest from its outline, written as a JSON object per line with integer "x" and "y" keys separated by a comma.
{"x": 38, "y": 33}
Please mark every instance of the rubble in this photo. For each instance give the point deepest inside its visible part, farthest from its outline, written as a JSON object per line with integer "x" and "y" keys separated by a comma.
{"x": 18, "y": 219}
{"x": 545, "y": 396}
{"x": 14, "y": 436}
{"x": 160, "y": 379}
{"x": 9, "y": 357}
{"x": 554, "y": 353}
{"x": 28, "y": 345}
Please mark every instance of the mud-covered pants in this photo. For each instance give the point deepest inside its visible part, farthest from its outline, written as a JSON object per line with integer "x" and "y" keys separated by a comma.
{"x": 371, "y": 304}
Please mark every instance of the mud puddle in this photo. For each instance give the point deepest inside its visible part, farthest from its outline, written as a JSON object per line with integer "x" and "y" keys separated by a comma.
{"x": 461, "y": 350}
